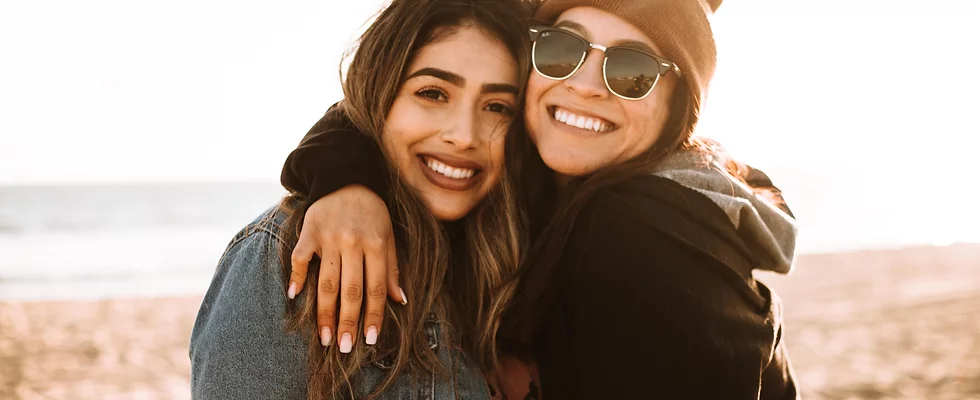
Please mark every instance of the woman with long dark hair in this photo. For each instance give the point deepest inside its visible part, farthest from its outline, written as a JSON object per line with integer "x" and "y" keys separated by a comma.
{"x": 432, "y": 88}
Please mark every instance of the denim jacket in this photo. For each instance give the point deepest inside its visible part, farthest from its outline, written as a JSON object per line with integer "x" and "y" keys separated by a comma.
{"x": 240, "y": 350}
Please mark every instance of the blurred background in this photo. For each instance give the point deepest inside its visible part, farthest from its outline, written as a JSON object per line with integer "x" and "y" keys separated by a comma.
{"x": 137, "y": 137}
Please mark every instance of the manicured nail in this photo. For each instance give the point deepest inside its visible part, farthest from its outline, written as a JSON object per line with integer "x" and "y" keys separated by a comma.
{"x": 372, "y": 335}
{"x": 404, "y": 297}
{"x": 292, "y": 290}
{"x": 346, "y": 343}
{"x": 325, "y": 336}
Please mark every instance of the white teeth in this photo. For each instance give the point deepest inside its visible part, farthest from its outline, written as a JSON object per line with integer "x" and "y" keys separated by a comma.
{"x": 450, "y": 172}
{"x": 578, "y": 121}
{"x": 561, "y": 116}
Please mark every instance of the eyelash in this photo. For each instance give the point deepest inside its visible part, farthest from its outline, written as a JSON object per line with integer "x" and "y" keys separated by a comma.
{"x": 506, "y": 109}
{"x": 426, "y": 93}
{"x": 438, "y": 95}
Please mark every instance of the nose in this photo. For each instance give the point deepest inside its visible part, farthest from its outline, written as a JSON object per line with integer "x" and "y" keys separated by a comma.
{"x": 588, "y": 81}
{"x": 461, "y": 132}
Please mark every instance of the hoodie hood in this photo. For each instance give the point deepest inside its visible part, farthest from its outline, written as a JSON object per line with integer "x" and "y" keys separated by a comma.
{"x": 769, "y": 231}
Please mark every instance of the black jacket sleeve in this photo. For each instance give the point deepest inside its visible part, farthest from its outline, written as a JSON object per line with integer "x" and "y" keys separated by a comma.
{"x": 332, "y": 155}
{"x": 654, "y": 318}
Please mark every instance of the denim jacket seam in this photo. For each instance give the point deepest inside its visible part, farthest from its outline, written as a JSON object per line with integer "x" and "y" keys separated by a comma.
{"x": 265, "y": 225}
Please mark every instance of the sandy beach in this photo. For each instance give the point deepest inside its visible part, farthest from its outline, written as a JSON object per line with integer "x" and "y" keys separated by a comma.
{"x": 896, "y": 324}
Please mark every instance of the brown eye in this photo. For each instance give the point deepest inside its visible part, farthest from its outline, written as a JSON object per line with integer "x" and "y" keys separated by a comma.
{"x": 432, "y": 94}
{"x": 499, "y": 108}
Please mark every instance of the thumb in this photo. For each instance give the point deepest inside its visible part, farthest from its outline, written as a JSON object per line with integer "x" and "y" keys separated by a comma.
{"x": 395, "y": 291}
{"x": 305, "y": 248}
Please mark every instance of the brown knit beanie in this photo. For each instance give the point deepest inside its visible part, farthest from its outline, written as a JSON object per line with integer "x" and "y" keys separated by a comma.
{"x": 678, "y": 27}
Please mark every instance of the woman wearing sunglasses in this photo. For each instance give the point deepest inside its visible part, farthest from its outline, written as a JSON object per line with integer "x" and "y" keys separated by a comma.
{"x": 639, "y": 283}
{"x": 432, "y": 82}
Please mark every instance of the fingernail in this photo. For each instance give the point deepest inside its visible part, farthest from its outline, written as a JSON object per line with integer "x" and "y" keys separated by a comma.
{"x": 346, "y": 343}
{"x": 325, "y": 336}
{"x": 372, "y": 335}
{"x": 292, "y": 290}
{"x": 404, "y": 297}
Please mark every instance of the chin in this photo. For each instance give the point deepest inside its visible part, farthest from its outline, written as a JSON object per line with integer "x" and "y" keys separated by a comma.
{"x": 448, "y": 213}
{"x": 567, "y": 161}
{"x": 449, "y": 216}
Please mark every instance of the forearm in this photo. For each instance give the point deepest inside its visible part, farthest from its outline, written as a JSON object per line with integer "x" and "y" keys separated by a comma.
{"x": 333, "y": 155}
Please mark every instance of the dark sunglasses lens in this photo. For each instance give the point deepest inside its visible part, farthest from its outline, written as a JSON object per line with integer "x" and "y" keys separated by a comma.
{"x": 630, "y": 73}
{"x": 557, "y": 54}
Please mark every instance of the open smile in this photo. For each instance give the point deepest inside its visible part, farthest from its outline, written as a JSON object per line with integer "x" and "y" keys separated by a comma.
{"x": 455, "y": 175}
{"x": 580, "y": 121}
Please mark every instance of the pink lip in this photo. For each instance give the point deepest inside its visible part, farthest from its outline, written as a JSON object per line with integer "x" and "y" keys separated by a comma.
{"x": 445, "y": 182}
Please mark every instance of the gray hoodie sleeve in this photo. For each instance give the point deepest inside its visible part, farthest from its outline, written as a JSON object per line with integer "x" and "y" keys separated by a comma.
{"x": 239, "y": 349}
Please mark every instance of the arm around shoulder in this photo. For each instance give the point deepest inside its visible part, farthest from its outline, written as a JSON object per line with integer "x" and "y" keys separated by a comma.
{"x": 332, "y": 155}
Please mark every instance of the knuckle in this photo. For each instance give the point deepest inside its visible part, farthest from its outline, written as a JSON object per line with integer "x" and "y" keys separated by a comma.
{"x": 297, "y": 260}
{"x": 379, "y": 290}
{"x": 348, "y": 322}
{"x": 328, "y": 286}
{"x": 353, "y": 292}
{"x": 348, "y": 238}
{"x": 374, "y": 315}
{"x": 374, "y": 242}
{"x": 329, "y": 235}
{"x": 325, "y": 316}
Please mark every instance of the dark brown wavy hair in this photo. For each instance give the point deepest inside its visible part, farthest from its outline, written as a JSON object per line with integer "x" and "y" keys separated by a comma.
{"x": 460, "y": 279}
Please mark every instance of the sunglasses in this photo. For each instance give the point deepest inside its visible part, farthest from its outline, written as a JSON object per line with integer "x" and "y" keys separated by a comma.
{"x": 629, "y": 73}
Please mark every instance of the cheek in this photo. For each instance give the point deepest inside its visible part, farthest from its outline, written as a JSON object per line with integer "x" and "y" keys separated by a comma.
{"x": 647, "y": 119}
{"x": 403, "y": 128}
{"x": 497, "y": 156}
{"x": 397, "y": 149}
{"x": 534, "y": 104}
{"x": 536, "y": 86}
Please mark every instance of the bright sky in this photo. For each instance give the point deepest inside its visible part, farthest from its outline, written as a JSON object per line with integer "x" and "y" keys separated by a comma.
{"x": 120, "y": 90}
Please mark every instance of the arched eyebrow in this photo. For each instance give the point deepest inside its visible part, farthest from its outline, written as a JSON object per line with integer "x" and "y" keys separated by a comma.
{"x": 499, "y": 88}
{"x": 458, "y": 81}
{"x": 452, "y": 78}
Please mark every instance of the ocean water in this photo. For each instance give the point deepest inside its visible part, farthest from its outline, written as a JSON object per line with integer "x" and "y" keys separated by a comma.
{"x": 70, "y": 242}
{"x": 60, "y": 242}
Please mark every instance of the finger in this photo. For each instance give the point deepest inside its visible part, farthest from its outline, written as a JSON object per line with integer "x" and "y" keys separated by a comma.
{"x": 306, "y": 247}
{"x": 352, "y": 293}
{"x": 328, "y": 286}
{"x": 375, "y": 272}
{"x": 395, "y": 290}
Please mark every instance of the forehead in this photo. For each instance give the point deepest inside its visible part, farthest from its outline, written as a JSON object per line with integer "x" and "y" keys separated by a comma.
{"x": 605, "y": 28}
{"x": 470, "y": 52}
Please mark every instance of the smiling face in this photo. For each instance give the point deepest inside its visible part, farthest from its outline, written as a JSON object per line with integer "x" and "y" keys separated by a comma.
{"x": 576, "y": 123}
{"x": 447, "y": 125}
